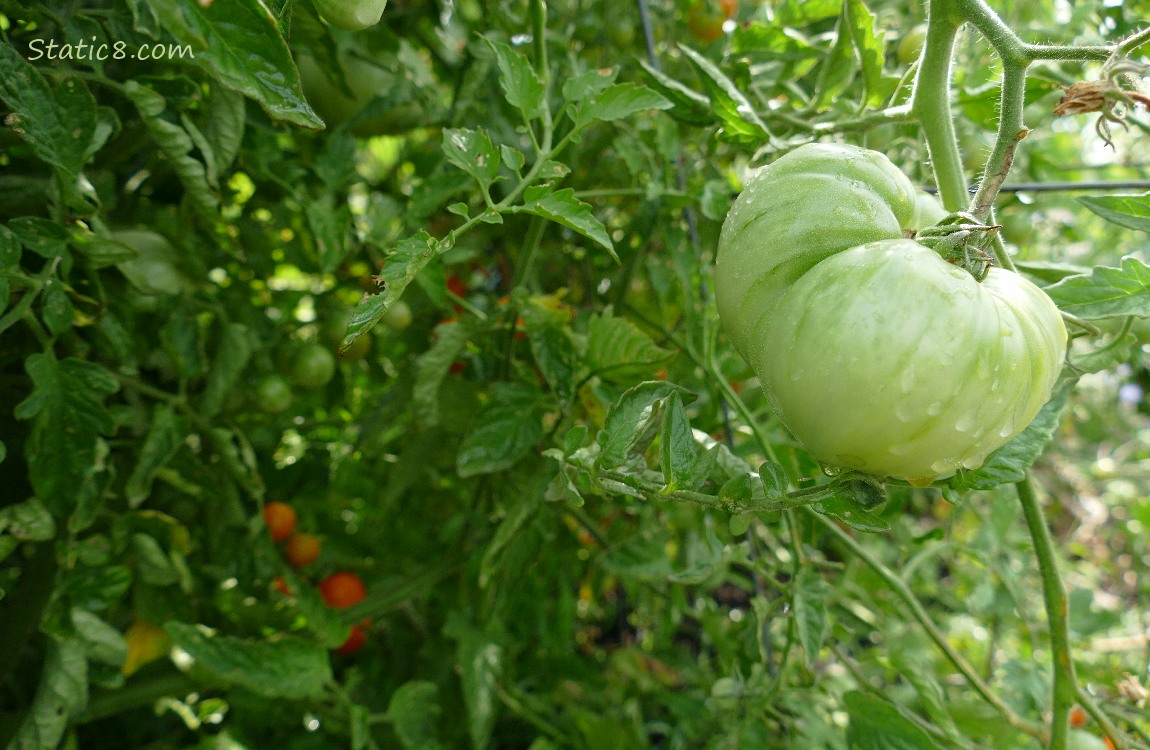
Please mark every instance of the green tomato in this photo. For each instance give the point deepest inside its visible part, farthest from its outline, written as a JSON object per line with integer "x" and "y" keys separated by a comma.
{"x": 358, "y": 349}
{"x": 398, "y": 316}
{"x": 910, "y": 46}
{"x": 366, "y": 81}
{"x": 877, "y": 354}
{"x": 1077, "y": 739}
{"x": 273, "y": 394}
{"x": 313, "y": 366}
{"x": 352, "y": 15}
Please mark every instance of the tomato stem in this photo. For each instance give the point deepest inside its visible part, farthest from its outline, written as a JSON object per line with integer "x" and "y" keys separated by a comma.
{"x": 930, "y": 103}
{"x": 1064, "y": 690}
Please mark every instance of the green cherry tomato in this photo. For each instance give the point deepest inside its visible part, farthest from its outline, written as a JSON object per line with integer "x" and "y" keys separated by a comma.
{"x": 910, "y": 46}
{"x": 273, "y": 394}
{"x": 366, "y": 81}
{"x": 351, "y": 15}
{"x": 398, "y": 316}
{"x": 876, "y": 353}
{"x": 358, "y": 348}
{"x": 313, "y": 366}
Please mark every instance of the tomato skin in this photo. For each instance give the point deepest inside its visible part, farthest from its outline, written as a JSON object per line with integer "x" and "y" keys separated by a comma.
{"x": 877, "y": 354}
{"x": 398, "y": 316}
{"x": 280, "y": 519}
{"x": 366, "y": 80}
{"x": 351, "y": 15}
{"x": 356, "y": 638}
{"x": 302, "y": 550}
{"x": 273, "y": 394}
{"x": 313, "y": 366}
{"x": 342, "y": 589}
{"x": 358, "y": 348}
{"x": 910, "y": 46}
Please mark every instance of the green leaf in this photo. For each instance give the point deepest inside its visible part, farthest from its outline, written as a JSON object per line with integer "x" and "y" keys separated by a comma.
{"x": 738, "y": 118}
{"x": 876, "y": 724}
{"x": 47, "y": 239}
{"x": 505, "y": 430}
{"x": 182, "y": 339}
{"x": 473, "y": 152}
{"x": 414, "y": 712}
{"x": 67, "y": 406}
{"x": 165, "y": 436}
{"x": 736, "y": 492}
{"x": 810, "y": 612}
{"x": 552, "y": 349}
{"x": 177, "y": 146}
{"x": 910, "y": 660}
{"x": 329, "y": 222}
{"x": 230, "y": 358}
{"x": 867, "y": 40}
{"x": 28, "y": 521}
{"x": 619, "y": 101}
{"x": 563, "y": 207}
{"x": 399, "y": 269}
{"x": 1009, "y": 463}
{"x": 62, "y": 693}
{"x": 285, "y": 668}
{"x": 852, "y": 513}
{"x": 102, "y": 642}
{"x": 687, "y": 105}
{"x": 774, "y": 481}
{"x": 521, "y": 85}
{"x": 479, "y": 663}
{"x": 588, "y": 84}
{"x": 1130, "y": 211}
{"x": 1106, "y": 292}
{"x": 839, "y": 65}
{"x": 617, "y": 351}
{"x": 152, "y": 564}
{"x": 238, "y": 42}
{"x": 677, "y": 445}
{"x": 59, "y": 125}
{"x": 627, "y": 419}
{"x": 57, "y": 311}
{"x": 432, "y": 367}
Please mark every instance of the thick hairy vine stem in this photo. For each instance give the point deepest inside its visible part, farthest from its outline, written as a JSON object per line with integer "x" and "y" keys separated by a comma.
{"x": 930, "y": 103}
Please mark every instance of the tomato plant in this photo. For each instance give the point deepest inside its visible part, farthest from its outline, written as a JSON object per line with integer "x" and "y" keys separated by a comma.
{"x": 356, "y": 639}
{"x": 879, "y": 355}
{"x": 301, "y": 550}
{"x": 366, "y": 79}
{"x": 342, "y": 589}
{"x": 280, "y": 519}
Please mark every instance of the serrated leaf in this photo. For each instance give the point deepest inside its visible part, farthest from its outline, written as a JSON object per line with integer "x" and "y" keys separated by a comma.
{"x": 852, "y": 513}
{"x": 1009, "y": 463}
{"x": 239, "y": 43}
{"x": 177, "y": 146}
{"x": 562, "y": 207}
{"x": 512, "y": 157}
{"x": 588, "y": 84}
{"x": 230, "y": 358}
{"x": 505, "y": 430}
{"x": 28, "y": 521}
{"x": 69, "y": 414}
{"x": 165, "y": 436}
{"x": 867, "y": 40}
{"x": 59, "y": 125}
{"x": 48, "y": 239}
{"x": 740, "y": 122}
{"x": 432, "y": 367}
{"x": 285, "y": 668}
{"x": 876, "y": 724}
{"x": 479, "y": 663}
{"x": 521, "y": 85}
{"x": 62, "y": 692}
{"x": 687, "y": 105}
{"x": 473, "y": 152}
{"x": 619, "y": 352}
{"x": 628, "y": 417}
{"x": 552, "y": 350}
{"x": 809, "y": 596}
{"x": 1130, "y": 211}
{"x": 57, "y": 310}
{"x": 619, "y": 101}
{"x": 404, "y": 263}
{"x": 774, "y": 481}
{"x": 677, "y": 444}
{"x": 1106, "y": 292}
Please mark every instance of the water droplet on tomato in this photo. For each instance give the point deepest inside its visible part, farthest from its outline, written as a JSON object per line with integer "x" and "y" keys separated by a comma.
{"x": 994, "y": 386}
{"x": 901, "y": 449}
{"x": 964, "y": 423}
{"x": 943, "y": 465}
{"x": 934, "y": 409}
{"x": 920, "y": 481}
{"x": 904, "y": 411}
{"x": 832, "y": 471}
{"x": 907, "y": 380}
{"x": 797, "y": 375}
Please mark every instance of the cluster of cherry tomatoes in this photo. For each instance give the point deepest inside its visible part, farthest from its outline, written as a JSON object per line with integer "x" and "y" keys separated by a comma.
{"x": 339, "y": 590}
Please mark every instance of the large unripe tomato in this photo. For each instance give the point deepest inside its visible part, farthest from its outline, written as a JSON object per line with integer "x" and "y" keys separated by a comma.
{"x": 352, "y": 15}
{"x": 876, "y": 353}
{"x": 366, "y": 81}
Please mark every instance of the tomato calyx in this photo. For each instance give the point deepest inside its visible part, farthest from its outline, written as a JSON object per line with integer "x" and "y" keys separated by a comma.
{"x": 961, "y": 239}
